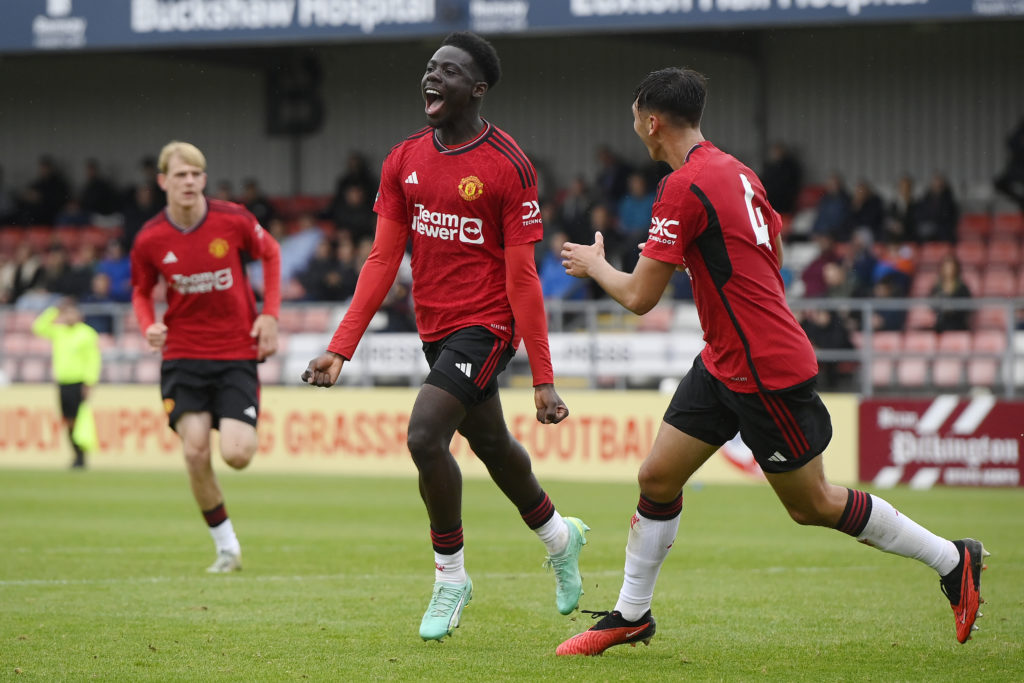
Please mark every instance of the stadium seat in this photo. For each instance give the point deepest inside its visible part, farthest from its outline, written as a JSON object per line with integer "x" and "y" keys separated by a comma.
{"x": 270, "y": 371}
{"x": 912, "y": 372}
{"x": 982, "y": 372}
{"x": 10, "y": 238}
{"x": 39, "y": 237}
{"x": 974, "y": 226}
{"x": 920, "y": 342}
{"x": 291, "y": 319}
{"x": 920, "y": 318}
{"x": 15, "y": 343}
{"x": 147, "y": 370}
{"x": 35, "y": 370}
{"x": 881, "y": 372}
{"x": 932, "y": 252}
{"x": 947, "y": 372}
{"x": 1004, "y": 251}
{"x": 887, "y": 342}
{"x": 970, "y": 254}
{"x": 116, "y": 371}
{"x": 991, "y": 318}
{"x": 659, "y": 319}
{"x": 955, "y": 341}
{"x": 319, "y": 318}
{"x": 971, "y": 276}
{"x": 1008, "y": 223}
{"x": 923, "y": 283}
{"x": 988, "y": 342}
{"x": 998, "y": 281}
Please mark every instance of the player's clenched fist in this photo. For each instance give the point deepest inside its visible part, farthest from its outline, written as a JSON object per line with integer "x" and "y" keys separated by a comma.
{"x": 323, "y": 370}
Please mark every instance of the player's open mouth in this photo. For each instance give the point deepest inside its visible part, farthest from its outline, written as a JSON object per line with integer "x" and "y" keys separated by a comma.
{"x": 434, "y": 101}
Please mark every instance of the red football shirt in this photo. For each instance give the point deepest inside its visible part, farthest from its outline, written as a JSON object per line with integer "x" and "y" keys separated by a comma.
{"x": 210, "y": 303}
{"x": 463, "y": 206}
{"x": 711, "y": 215}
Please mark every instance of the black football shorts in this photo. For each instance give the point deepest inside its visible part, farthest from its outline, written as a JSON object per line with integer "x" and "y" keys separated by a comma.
{"x": 784, "y": 429}
{"x": 467, "y": 363}
{"x": 70, "y": 399}
{"x": 223, "y": 388}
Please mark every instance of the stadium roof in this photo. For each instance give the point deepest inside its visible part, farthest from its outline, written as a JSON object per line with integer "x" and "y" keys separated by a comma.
{"x": 29, "y": 26}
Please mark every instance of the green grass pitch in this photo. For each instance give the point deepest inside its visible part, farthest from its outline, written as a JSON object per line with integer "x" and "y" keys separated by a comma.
{"x": 102, "y": 578}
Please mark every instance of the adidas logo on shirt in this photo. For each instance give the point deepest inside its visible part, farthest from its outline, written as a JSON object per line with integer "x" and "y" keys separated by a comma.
{"x": 411, "y": 179}
{"x": 250, "y": 412}
{"x": 170, "y": 258}
{"x": 466, "y": 368}
{"x": 777, "y": 457}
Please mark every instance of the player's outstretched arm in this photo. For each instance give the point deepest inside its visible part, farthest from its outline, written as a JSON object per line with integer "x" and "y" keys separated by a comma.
{"x": 638, "y": 291}
{"x": 550, "y": 407}
{"x": 323, "y": 371}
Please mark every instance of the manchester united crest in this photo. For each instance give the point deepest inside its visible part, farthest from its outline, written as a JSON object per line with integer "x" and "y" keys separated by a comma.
{"x": 219, "y": 247}
{"x": 168, "y": 405}
{"x": 471, "y": 188}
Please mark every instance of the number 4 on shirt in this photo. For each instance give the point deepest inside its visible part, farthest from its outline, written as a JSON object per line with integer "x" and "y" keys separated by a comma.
{"x": 754, "y": 213}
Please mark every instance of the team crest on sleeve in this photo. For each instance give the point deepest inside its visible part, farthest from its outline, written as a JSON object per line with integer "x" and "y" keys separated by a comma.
{"x": 219, "y": 247}
{"x": 471, "y": 188}
{"x": 168, "y": 405}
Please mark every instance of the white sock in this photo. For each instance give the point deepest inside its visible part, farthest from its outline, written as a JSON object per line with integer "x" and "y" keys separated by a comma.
{"x": 450, "y": 568}
{"x": 554, "y": 533}
{"x": 646, "y": 549}
{"x": 224, "y": 537}
{"x": 892, "y": 532}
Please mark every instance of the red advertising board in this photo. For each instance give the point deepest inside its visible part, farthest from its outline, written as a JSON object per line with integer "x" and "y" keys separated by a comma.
{"x": 951, "y": 440}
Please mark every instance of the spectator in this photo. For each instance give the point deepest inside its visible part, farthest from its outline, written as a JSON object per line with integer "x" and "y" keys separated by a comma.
{"x": 224, "y": 191}
{"x": 258, "y": 203}
{"x": 574, "y": 211}
{"x": 145, "y": 204}
{"x": 58, "y": 276}
{"x": 332, "y": 272}
{"x": 296, "y": 251}
{"x": 7, "y": 206}
{"x": 867, "y": 210}
{"x": 19, "y": 275}
{"x": 357, "y": 173}
{"x": 116, "y": 266}
{"x": 354, "y": 216}
{"x": 555, "y": 283}
{"x": 827, "y": 329}
{"x": 45, "y": 196}
{"x": 951, "y": 287}
{"x": 861, "y": 261}
{"x": 98, "y": 195}
{"x": 612, "y": 176}
{"x": 1011, "y": 181}
{"x": 813, "y": 275}
{"x": 901, "y": 223}
{"x": 147, "y": 178}
{"x": 939, "y": 212}
{"x": 887, "y": 319}
{"x": 634, "y": 215}
{"x": 782, "y": 178}
{"x": 72, "y": 215}
{"x": 833, "y": 213}
{"x": 99, "y": 318}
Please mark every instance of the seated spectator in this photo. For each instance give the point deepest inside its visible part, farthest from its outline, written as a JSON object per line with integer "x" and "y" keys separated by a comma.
{"x": 939, "y": 213}
{"x": 45, "y": 196}
{"x": 555, "y": 283}
{"x": 332, "y": 272}
{"x": 117, "y": 267}
{"x": 20, "y": 274}
{"x": 72, "y": 215}
{"x": 354, "y": 216}
{"x": 98, "y": 317}
{"x": 224, "y": 191}
{"x": 98, "y": 195}
{"x": 861, "y": 261}
{"x": 951, "y": 286}
{"x": 901, "y": 214}
{"x": 357, "y": 173}
{"x": 144, "y": 205}
{"x": 888, "y": 319}
{"x": 634, "y": 214}
{"x": 867, "y": 210}
{"x": 574, "y": 211}
{"x": 827, "y": 329}
{"x": 58, "y": 275}
{"x": 813, "y": 275}
{"x": 782, "y": 178}
{"x": 297, "y": 249}
{"x": 610, "y": 184}
{"x": 833, "y": 212}
{"x": 257, "y": 202}
{"x": 839, "y": 281}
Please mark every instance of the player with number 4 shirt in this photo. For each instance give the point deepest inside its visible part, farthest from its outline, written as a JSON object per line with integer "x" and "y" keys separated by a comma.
{"x": 756, "y": 374}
